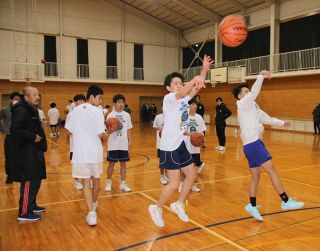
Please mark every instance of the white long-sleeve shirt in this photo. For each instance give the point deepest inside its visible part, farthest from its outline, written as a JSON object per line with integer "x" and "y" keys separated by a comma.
{"x": 251, "y": 118}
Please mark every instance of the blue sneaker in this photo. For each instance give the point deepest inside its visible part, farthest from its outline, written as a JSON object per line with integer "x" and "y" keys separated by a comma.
{"x": 291, "y": 204}
{"x": 37, "y": 209}
{"x": 29, "y": 217}
{"x": 253, "y": 211}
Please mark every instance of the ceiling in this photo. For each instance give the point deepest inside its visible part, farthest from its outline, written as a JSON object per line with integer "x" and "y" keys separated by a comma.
{"x": 187, "y": 14}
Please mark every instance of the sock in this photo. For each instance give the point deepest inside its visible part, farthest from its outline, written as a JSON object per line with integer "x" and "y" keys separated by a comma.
{"x": 253, "y": 201}
{"x": 284, "y": 197}
{"x": 123, "y": 181}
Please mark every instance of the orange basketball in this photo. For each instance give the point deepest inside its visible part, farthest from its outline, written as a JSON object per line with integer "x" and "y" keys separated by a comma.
{"x": 197, "y": 139}
{"x": 112, "y": 124}
{"x": 233, "y": 30}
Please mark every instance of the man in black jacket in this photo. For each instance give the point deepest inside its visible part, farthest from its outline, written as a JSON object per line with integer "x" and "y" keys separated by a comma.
{"x": 27, "y": 146}
{"x": 222, "y": 113}
{"x": 200, "y": 107}
{"x": 316, "y": 119}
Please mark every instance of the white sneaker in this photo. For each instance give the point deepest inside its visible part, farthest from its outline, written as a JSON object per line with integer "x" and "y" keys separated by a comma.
{"x": 217, "y": 147}
{"x": 180, "y": 187}
{"x": 253, "y": 211}
{"x": 156, "y": 215}
{"x": 92, "y": 218}
{"x": 167, "y": 178}
{"x": 201, "y": 167}
{"x": 221, "y": 148}
{"x": 178, "y": 209}
{"x": 94, "y": 206}
{"x": 291, "y": 204}
{"x": 195, "y": 189}
{"x": 163, "y": 180}
{"x": 77, "y": 185}
{"x": 108, "y": 186}
{"x": 124, "y": 187}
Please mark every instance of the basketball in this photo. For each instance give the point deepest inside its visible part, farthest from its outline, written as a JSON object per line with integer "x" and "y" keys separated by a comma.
{"x": 112, "y": 124}
{"x": 197, "y": 139}
{"x": 233, "y": 30}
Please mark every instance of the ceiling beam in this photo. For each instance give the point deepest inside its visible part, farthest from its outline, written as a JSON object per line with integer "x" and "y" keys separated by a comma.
{"x": 199, "y": 9}
{"x": 174, "y": 13}
{"x": 143, "y": 15}
{"x": 237, "y": 5}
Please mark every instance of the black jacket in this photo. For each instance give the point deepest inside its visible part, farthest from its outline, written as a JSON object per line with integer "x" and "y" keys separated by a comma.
{"x": 200, "y": 109}
{"x": 222, "y": 113}
{"x": 316, "y": 114}
{"x": 26, "y": 156}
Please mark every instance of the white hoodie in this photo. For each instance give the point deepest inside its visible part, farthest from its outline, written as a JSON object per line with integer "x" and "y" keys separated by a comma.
{"x": 251, "y": 117}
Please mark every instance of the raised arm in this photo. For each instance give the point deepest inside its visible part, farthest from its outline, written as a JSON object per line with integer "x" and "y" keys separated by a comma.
{"x": 192, "y": 87}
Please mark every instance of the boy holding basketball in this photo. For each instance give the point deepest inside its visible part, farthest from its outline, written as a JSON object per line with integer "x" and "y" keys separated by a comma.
{"x": 174, "y": 155}
{"x": 251, "y": 119}
{"x": 119, "y": 143}
{"x": 86, "y": 124}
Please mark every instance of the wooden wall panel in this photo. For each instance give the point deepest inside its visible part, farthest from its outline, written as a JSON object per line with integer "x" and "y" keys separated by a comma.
{"x": 291, "y": 97}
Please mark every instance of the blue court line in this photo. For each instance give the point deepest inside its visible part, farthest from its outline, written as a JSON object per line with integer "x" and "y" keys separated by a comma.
{"x": 208, "y": 226}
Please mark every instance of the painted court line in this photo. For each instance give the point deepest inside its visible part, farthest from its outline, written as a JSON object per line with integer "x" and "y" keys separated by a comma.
{"x": 202, "y": 227}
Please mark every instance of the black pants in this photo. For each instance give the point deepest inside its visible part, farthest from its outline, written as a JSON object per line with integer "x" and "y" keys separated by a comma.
{"x": 316, "y": 125}
{"x": 6, "y": 156}
{"x": 196, "y": 159}
{"x": 220, "y": 129}
{"x": 28, "y": 194}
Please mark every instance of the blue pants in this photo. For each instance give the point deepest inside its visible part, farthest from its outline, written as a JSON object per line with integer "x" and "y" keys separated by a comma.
{"x": 28, "y": 194}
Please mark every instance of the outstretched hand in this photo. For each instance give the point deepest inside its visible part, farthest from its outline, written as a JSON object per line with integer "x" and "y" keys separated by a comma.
{"x": 199, "y": 82}
{"x": 207, "y": 62}
{"x": 266, "y": 74}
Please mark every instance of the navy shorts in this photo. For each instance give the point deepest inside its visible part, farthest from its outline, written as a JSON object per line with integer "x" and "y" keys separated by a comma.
{"x": 176, "y": 159}
{"x": 158, "y": 153}
{"x": 256, "y": 153}
{"x": 118, "y": 155}
{"x": 71, "y": 154}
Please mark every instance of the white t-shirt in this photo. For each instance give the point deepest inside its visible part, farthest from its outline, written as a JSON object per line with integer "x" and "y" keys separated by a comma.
{"x": 70, "y": 138}
{"x": 119, "y": 139}
{"x": 53, "y": 115}
{"x": 85, "y": 123}
{"x": 250, "y": 117}
{"x": 41, "y": 115}
{"x": 158, "y": 124}
{"x": 196, "y": 124}
{"x": 176, "y": 119}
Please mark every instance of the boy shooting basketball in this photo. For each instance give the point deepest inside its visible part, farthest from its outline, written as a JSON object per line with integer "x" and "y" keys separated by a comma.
{"x": 251, "y": 118}
{"x": 174, "y": 155}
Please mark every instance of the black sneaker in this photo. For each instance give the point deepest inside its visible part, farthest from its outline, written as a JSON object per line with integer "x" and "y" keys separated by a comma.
{"x": 38, "y": 209}
{"x": 29, "y": 217}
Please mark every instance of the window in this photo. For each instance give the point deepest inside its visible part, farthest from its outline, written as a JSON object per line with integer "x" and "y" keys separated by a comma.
{"x": 138, "y": 62}
{"x": 188, "y": 54}
{"x": 112, "y": 71}
{"x": 50, "y": 56}
{"x": 82, "y": 58}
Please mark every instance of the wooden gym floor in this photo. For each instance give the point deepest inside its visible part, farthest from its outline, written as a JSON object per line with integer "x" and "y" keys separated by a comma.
{"x": 218, "y": 220}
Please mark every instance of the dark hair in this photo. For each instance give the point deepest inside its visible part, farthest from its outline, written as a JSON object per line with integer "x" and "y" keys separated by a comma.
{"x": 53, "y": 105}
{"x": 126, "y": 105}
{"x": 196, "y": 96}
{"x": 118, "y": 97}
{"x": 71, "y": 100}
{"x": 237, "y": 89}
{"x": 107, "y": 106}
{"x": 168, "y": 79}
{"x": 15, "y": 94}
{"x": 79, "y": 97}
{"x": 192, "y": 101}
{"x": 94, "y": 90}
{"x": 219, "y": 98}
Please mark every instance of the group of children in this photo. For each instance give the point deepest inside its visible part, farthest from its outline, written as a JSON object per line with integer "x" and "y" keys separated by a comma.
{"x": 177, "y": 156}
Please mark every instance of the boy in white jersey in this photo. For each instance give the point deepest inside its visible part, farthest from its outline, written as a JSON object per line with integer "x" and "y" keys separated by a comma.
{"x": 53, "y": 115}
{"x": 78, "y": 99}
{"x": 158, "y": 125}
{"x": 251, "y": 118}
{"x": 174, "y": 155}
{"x": 119, "y": 143}
{"x": 196, "y": 124}
{"x": 86, "y": 124}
